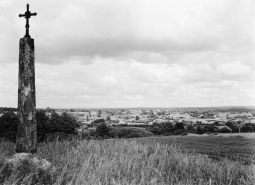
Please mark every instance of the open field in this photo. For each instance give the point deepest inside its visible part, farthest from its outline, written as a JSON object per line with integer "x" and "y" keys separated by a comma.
{"x": 126, "y": 161}
{"x": 247, "y": 135}
{"x": 216, "y": 147}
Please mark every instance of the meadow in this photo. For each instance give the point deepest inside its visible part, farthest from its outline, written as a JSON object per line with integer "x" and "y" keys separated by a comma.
{"x": 143, "y": 161}
{"x": 235, "y": 148}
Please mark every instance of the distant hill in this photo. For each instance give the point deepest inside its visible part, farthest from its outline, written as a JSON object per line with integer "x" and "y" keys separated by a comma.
{"x": 182, "y": 109}
{"x": 199, "y": 109}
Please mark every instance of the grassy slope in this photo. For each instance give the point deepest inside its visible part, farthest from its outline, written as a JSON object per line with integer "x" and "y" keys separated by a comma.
{"x": 234, "y": 148}
{"x": 132, "y": 162}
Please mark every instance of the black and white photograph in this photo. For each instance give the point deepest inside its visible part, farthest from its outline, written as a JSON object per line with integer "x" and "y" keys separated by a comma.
{"x": 127, "y": 92}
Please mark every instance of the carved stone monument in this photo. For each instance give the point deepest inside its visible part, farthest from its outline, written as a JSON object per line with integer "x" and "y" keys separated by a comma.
{"x": 26, "y": 140}
{"x": 24, "y": 167}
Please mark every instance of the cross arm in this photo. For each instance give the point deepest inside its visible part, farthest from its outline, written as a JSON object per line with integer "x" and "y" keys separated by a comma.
{"x": 33, "y": 14}
{"x": 22, "y": 15}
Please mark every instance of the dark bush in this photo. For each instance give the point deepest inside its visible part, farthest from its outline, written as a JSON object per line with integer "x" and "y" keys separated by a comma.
{"x": 225, "y": 130}
{"x": 179, "y": 126}
{"x": 156, "y": 130}
{"x": 247, "y": 128}
{"x": 193, "y": 131}
{"x": 43, "y": 125}
{"x": 167, "y": 127}
{"x": 216, "y": 123}
{"x": 98, "y": 120}
{"x": 91, "y": 134}
{"x": 11, "y": 136}
{"x": 180, "y": 132}
{"x": 209, "y": 128}
{"x": 103, "y": 129}
{"x": 8, "y": 126}
{"x": 63, "y": 123}
{"x": 234, "y": 128}
{"x": 108, "y": 118}
{"x": 200, "y": 130}
{"x": 161, "y": 128}
{"x": 120, "y": 132}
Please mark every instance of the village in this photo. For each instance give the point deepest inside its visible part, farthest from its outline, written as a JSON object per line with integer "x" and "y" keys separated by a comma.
{"x": 144, "y": 117}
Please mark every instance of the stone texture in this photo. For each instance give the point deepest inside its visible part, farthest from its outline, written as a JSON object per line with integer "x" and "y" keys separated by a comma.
{"x": 26, "y": 169}
{"x": 26, "y": 131}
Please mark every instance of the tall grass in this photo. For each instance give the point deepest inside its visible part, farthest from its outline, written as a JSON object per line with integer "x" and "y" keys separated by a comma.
{"x": 132, "y": 162}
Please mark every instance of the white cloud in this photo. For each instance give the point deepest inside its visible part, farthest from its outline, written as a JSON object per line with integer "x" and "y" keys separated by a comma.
{"x": 133, "y": 52}
{"x": 234, "y": 68}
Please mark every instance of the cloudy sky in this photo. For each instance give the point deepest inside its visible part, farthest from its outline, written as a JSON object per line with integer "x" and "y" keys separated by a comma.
{"x": 132, "y": 53}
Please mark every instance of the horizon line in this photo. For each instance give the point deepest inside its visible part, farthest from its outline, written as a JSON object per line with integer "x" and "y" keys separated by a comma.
{"x": 224, "y": 106}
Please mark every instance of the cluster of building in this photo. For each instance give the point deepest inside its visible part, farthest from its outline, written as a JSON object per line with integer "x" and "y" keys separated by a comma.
{"x": 150, "y": 116}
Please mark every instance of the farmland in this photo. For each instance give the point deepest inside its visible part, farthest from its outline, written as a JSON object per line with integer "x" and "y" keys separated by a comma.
{"x": 236, "y": 148}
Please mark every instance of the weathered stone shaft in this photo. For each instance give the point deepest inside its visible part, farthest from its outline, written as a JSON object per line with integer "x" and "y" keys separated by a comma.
{"x": 26, "y": 140}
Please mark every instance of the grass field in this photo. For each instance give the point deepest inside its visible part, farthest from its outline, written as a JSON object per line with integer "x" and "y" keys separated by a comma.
{"x": 235, "y": 148}
{"x": 142, "y": 161}
{"x": 243, "y": 134}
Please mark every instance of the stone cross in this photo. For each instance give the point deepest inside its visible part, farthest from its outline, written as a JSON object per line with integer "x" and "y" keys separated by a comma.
{"x": 27, "y": 15}
{"x": 26, "y": 139}
{"x": 24, "y": 167}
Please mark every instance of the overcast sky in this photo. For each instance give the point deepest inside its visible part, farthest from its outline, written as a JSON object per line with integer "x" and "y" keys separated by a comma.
{"x": 132, "y": 53}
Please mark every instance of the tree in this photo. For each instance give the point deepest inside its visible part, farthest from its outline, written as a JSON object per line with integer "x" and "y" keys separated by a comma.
{"x": 156, "y": 130}
{"x": 232, "y": 127}
{"x": 54, "y": 122}
{"x": 191, "y": 129}
{"x": 229, "y": 124}
{"x": 100, "y": 120}
{"x": 179, "y": 125}
{"x": 108, "y": 118}
{"x": 68, "y": 123}
{"x": 216, "y": 123}
{"x": 137, "y": 118}
{"x": 209, "y": 128}
{"x": 247, "y": 128}
{"x": 200, "y": 130}
{"x": 167, "y": 127}
{"x": 99, "y": 113}
{"x": 225, "y": 130}
{"x": 102, "y": 129}
{"x": 8, "y": 125}
{"x": 63, "y": 123}
{"x": 43, "y": 125}
{"x": 240, "y": 124}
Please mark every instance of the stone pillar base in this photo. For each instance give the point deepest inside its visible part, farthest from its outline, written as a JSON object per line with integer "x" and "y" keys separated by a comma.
{"x": 26, "y": 169}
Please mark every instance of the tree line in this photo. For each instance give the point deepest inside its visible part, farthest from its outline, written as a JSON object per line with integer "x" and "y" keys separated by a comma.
{"x": 48, "y": 127}
{"x": 64, "y": 126}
